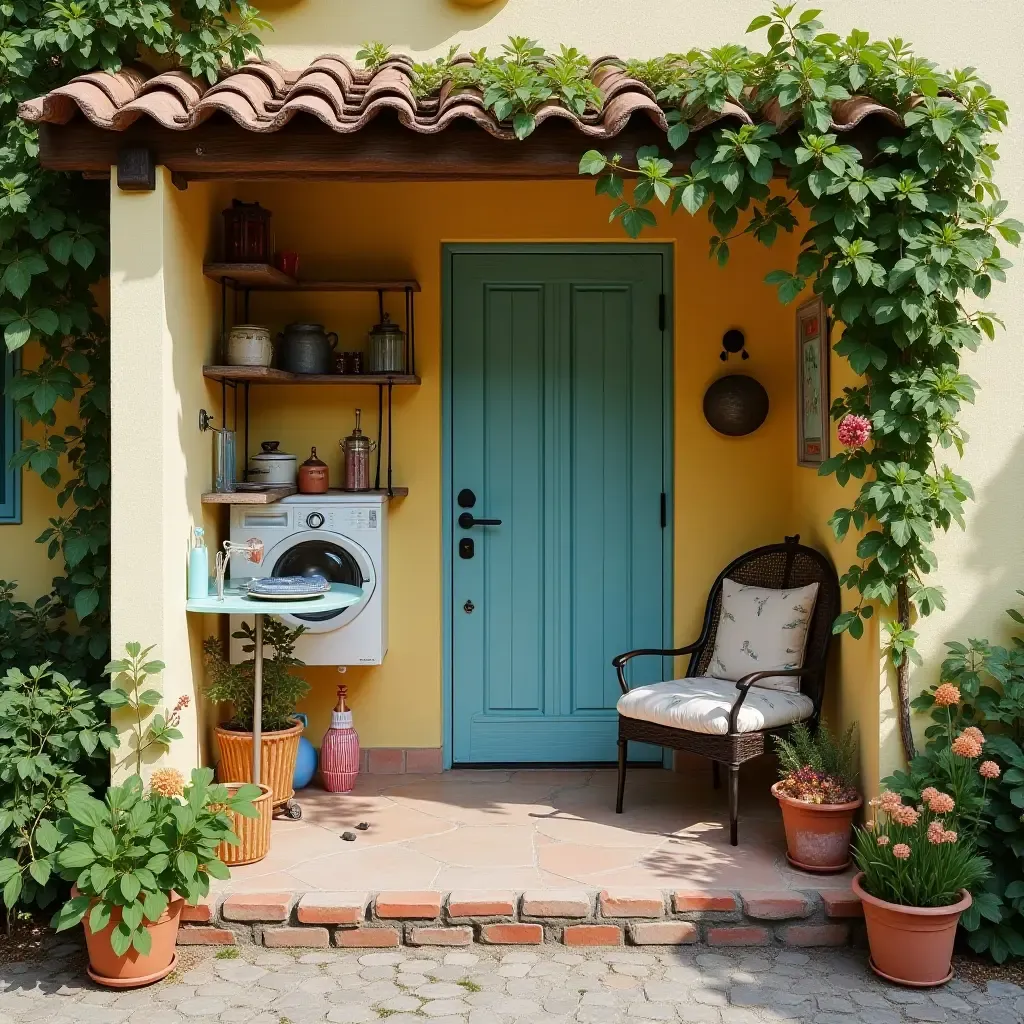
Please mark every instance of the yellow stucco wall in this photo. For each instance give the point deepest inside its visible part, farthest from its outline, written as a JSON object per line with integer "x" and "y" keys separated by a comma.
{"x": 729, "y": 493}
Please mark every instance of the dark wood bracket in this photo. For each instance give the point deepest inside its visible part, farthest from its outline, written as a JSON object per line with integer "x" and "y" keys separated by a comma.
{"x": 136, "y": 169}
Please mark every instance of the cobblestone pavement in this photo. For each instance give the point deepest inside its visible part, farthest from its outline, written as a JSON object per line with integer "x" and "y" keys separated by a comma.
{"x": 548, "y": 985}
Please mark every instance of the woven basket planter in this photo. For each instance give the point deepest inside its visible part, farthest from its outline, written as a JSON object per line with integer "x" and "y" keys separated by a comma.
{"x": 278, "y": 753}
{"x": 253, "y": 833}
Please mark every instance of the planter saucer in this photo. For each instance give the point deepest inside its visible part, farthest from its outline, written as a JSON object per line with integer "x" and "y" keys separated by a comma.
{"x": 814, "y": 870}
{"x": 146, "y": 979}
{"x": 910, "y": 984}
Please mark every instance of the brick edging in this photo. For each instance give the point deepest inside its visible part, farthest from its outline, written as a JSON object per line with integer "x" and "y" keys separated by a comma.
{"x": 575, "y": 917}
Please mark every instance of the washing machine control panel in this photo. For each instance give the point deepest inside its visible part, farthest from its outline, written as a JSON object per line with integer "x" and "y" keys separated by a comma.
{"x": 315, "y": 520}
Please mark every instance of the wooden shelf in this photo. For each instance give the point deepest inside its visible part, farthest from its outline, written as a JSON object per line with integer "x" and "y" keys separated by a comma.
{"x": 268, "y": 375}
{"x": 272, "y": 494}
{"x": 265, "y": 497}
{"x": 264, "y": 277}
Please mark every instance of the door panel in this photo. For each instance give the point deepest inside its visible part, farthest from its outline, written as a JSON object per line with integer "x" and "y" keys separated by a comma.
{"x": 558, "y": 428}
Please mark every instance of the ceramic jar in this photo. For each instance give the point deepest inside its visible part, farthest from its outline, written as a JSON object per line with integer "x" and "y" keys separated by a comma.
{"x": 313, "y": 475}
{"x": 306, "y": 348}
{"x": 272, "y": 466}
{"x": 249, "y": 345}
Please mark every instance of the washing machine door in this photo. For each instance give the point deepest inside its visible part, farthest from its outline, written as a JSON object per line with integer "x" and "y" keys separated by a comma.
{"x": 340, "y": 559}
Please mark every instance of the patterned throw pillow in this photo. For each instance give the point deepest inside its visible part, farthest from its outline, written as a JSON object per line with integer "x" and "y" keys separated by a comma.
{"x": 760, "y": 629}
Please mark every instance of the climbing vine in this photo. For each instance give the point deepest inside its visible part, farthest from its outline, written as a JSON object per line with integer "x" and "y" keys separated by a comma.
{"x": 53, "y": 253}
{"x": 904, "y": 239}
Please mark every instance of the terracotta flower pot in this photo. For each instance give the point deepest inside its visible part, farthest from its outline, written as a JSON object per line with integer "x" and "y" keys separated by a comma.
{"x": 817, "y": 835}
{"x": 253, "y": 833}
{"x": 278, "y": 754}
{"x": 910, "y": 945}
{"x": 133, "y": 970}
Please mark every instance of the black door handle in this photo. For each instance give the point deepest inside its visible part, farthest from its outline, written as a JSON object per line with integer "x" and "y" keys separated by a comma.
{"x": 467, "y": 521}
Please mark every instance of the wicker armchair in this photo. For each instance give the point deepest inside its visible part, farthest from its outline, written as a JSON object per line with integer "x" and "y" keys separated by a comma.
{"x": 777, "y": 566}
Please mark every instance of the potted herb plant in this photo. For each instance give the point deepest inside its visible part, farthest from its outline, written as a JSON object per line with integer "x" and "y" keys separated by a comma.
{"x": 914, "y": 881}
{"x": 817, "y": 793}
{"x": 135, "y": 860}
{"x": 282, "y": 690}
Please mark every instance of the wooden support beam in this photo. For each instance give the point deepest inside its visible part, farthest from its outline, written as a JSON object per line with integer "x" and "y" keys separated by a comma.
{"x": 136, "y": 169}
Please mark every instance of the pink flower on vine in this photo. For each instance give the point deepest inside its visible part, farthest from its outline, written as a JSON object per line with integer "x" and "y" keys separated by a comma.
{"x": 854, "y": 431}
{"x": 989, "y": 770}
{"x": 901, "y": 851}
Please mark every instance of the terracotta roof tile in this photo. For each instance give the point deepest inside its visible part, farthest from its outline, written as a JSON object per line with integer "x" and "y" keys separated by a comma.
{"x": 263, "y": 96}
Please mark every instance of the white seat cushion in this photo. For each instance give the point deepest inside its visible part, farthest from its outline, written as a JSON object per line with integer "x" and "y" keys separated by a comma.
{"x": 760, "y": 629}
{"x": 702, "y": 704}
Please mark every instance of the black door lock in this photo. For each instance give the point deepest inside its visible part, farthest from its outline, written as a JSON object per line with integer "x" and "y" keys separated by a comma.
{"x": 466, "y": 498}
{"x": 468, "y": 607}
{"x": 466, "y": 547}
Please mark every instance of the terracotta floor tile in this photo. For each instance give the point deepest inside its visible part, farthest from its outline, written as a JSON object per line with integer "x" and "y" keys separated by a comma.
{"x": 383, "y": 867}
{"x": 574, "y": 859}
{"x": 480, "y": 803}
{"x": 515, "y": 878}
{"x": 389, "y": 823}
{"x": 480, "y": 846}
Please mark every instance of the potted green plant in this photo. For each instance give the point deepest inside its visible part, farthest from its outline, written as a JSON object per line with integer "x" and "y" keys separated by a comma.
{"x": 282, "y": 690}
{"x": 135, "y": 859}
{"x": 817, "y": 793}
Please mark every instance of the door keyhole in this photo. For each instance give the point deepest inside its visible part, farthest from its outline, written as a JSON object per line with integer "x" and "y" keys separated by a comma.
{"x": 468, "y": 607}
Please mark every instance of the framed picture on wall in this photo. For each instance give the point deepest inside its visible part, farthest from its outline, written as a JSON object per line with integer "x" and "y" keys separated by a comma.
{"x": 813, "y": 397}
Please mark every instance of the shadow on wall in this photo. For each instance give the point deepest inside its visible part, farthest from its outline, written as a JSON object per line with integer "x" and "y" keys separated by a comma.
{"x": 405, "y": 24}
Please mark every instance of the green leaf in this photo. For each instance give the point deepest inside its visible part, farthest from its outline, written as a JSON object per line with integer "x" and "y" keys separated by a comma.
{"x": 142, "y": 941}
{"x": 130, "y": 886}
{"x": 40, "y": 871}
{"x": 131, "y": 914}
{"x": 761, "y": 21}
{"x": 592, "y": 162}
{"x": 76, "y": 855}
{"x": 186, "y": 863}
{"x": 154, "y": 905}
{"x": 678, "y": 134}
{"x": 99, "y": 916}
{"x": 8, "y": 869}
{"x": 104, "y": 843}
{"x": 71, "y": 913}
{"x": 121, "y": 939}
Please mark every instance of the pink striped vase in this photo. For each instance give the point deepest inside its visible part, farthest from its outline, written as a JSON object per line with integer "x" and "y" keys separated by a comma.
{"x": 339, "y": 754}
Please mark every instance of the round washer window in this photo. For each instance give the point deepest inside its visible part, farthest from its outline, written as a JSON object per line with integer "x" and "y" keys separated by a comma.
{"x": 320, "y": 558}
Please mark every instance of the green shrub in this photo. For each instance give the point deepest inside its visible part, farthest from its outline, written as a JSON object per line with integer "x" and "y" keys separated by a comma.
{"x": 990, "y": 681}
{"x": 233, "y": 684}
{"x": 54, "y": 740}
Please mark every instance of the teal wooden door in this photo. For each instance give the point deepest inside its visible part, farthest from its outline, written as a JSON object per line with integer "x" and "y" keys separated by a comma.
{"x": 557, "y": 428}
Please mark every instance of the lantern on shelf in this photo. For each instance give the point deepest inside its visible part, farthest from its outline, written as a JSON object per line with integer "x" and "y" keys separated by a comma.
{"x": 339, "y": 752}
{"x": 246, "y": 233}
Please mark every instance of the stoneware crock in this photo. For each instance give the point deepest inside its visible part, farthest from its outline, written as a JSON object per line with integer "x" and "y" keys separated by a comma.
{"x": 910, "y": 945}
{"x": 133, "y": 969}
{"x": 817, "y": 835}
{"x": 250, "y": 345}
{"x": 306, "y": 348}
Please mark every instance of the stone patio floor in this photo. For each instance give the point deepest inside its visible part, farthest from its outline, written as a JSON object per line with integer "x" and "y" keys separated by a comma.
{"x": 497, "y": 986}
{"x": 528, "y": 830}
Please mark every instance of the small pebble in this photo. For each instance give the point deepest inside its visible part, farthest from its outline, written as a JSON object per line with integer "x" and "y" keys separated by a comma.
{"x": 349, "y": 837}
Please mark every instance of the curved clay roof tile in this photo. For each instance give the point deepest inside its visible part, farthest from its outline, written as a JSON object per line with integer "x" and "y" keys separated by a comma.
{"x": 163, "y": 106}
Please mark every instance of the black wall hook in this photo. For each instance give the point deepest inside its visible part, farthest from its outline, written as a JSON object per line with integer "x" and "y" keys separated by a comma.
{"x": 733, "y": 341}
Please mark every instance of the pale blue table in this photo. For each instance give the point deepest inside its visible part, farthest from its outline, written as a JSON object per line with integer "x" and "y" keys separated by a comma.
{"x": 235, "y": 602}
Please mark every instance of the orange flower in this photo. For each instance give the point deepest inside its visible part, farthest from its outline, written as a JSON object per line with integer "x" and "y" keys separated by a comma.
{"x": 989, "y": 770}
{"x": 941, "y": 803}
{"x": 936, "y": 830}
{"x": 905, "y": 815}
{"x": 974, "y": 733}
{"x": 949, "y": 837}
{"x": 901, "y": 851}
{"x": 882, "y": 840}
{"x": 966, "y": 746}
{"x": 167, "y": 782}
{"x": 889, "y": 801}
{"x": 928, "y": 792}
{"x": 947, "y": 695}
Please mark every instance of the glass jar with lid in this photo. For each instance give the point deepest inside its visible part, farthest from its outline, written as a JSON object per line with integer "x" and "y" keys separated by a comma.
{"x": 387, "y": 348}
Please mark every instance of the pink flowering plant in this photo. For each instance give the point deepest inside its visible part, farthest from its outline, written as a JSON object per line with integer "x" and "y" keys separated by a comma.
{"x": 975, "y": 751}
{"x": 913, "y": 856}
{"x": 818, "y": 767}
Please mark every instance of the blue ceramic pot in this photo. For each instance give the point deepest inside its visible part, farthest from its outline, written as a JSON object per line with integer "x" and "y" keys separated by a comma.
{"x": 305, "y": 763}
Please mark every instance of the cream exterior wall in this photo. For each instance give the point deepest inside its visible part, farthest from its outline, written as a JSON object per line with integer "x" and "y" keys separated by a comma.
{"x": 162, "y": 331}
{"x": 158, "y": 241}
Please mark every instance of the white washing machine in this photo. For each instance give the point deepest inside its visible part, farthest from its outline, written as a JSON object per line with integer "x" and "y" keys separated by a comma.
{"x": 341, "y": 536}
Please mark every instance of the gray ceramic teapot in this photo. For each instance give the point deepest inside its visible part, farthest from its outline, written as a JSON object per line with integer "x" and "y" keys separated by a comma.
{"x": 306, "y": 348}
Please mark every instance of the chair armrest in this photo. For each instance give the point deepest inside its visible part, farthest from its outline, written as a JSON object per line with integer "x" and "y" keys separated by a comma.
{"x": 619, "y": 661}
{"x": 746, "y": 682}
